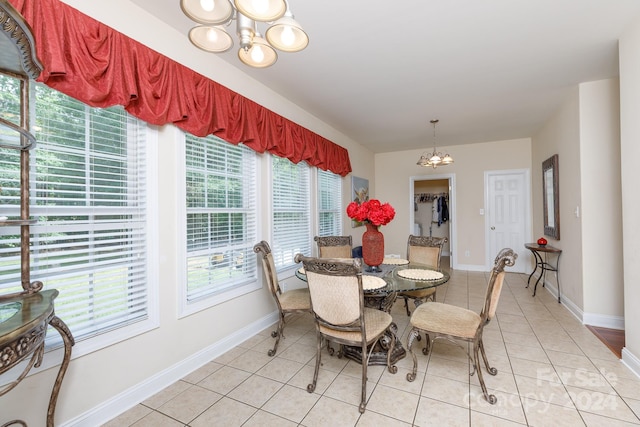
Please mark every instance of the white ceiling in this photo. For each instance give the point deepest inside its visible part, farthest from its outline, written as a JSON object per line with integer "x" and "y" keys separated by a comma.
{"x": 487, "y": 69}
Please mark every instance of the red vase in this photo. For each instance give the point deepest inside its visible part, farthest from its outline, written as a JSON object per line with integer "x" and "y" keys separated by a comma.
{"x": 372, "y": 247}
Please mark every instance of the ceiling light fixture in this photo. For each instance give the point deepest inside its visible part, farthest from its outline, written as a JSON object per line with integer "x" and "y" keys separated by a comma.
{"x": 435, "y": 158}
{"x": 284, "y": 33}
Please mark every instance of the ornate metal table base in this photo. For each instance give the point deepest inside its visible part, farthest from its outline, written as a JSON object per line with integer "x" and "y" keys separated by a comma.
{"x": 379, "y": 355}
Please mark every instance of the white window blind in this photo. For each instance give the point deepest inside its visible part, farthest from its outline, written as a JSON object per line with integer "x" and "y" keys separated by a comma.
{"x": 88, "y": 194}
{"x": 329, "y": 203}
{"x": 291, "y": 211}
{"x": 221, "y": 216}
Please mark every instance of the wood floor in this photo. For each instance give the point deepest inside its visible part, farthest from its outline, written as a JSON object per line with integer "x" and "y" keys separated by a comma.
{"x": 612, "y": 338}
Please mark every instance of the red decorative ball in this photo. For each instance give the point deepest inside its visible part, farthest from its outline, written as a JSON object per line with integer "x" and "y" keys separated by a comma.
{"x": 542, "y": 241}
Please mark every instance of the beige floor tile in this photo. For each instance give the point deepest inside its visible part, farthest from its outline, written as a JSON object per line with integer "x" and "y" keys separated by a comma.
{"x": 446, "y": 390}
{"x": 626, "y": 387}
{"x": 129, "y": 417}
{"x": 331, "y": 412}
{"x": 543, "y": 391}
{"x": 567, "y": 360}
{"x": 166, "y": 394}
{"x": 449, "y": 369}
{"x": 230, "y": 355}
{"x": 534, "y": 369}
{"x": 190, "y": 403}
{"x": 250, "y": 361}
{"x": 536, "y": 354}
{"x": 265, "y": 419}
{"x": 370, "y": 418}
{"x": 394, "y": 403}
{"x": 507, "y": 406}
{"x": 608, "y": 405}
{"x": 225, "y": 412}
{"x": 224, "y": 380}
{"x": 156, "y": 419}
{"x": 478, "y": 419}
{"x": 634, "y": 405}
{"x": 588, "y": 379}
{"x": 435, "y": 413}
{"x": 593, "y": 420}
{"x": 202, "y": 372}
{"x": 299, "y": 353}
{"x": 291, "y": 403}
{"x": 256, "y": 390}
{"x": 348, "y": 389}
{"x": 542, "y": 414}
{"x": 399, "y": 380}
{"x": 280, "y": 369}
{"x": 328, "y": 362}
{"x": 304, "y": 377}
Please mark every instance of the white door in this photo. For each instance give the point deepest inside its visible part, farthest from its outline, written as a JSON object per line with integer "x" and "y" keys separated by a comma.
{"x": 508, "y": 215}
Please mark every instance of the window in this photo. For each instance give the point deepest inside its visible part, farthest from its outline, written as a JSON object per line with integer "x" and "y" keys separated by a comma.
{"x": 88, "y": 194}
{"x": 329, "y": 204}
{"x": 221, "y": 216}
{"x": 291, "y": 210}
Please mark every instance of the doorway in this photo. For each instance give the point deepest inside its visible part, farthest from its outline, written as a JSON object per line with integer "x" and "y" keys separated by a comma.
{"x": 424, "y": 191}
{"x": 508, "y": 216}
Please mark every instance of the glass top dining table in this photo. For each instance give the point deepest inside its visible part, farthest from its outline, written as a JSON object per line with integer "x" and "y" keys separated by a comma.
{"x": 383, "y": 299}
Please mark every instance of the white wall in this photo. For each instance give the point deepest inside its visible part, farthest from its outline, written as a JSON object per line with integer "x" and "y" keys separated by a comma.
{"x": 104, "y": 381}
{"x": 601, "y": 210}
{"x": 630, "y": 175}
{"x": 561, "y": 135}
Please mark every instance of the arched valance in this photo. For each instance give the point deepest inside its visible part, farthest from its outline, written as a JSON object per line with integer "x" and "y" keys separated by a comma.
{"x": 101, "y": 67}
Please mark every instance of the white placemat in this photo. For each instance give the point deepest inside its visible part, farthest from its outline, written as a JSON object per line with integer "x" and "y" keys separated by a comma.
{"x": 372, "y": 282}
{"x": 301, "y": 270}
{"x": 395, "y": 261}
{"x": 417, "y": 274}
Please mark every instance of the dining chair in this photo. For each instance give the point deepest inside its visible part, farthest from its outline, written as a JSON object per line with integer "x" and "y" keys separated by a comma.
{"x": 334, "y": 246}
{"x": 428, "y": 251}
{"x": 337, "y": 302}
{"x": 289, "y": 302}
{"x": 453, "y": 323}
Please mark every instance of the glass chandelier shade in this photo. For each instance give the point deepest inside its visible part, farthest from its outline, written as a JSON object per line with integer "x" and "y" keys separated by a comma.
{"x": 285, "y": 34}
{"x": 435, "y": 158}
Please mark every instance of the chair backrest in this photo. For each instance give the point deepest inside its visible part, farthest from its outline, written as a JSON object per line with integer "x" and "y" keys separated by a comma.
{"x": 507, "y": 258}
{"x": 335, "y": 288}
{"x": 334, "y": 246}
{"x": 268, "y": 266}
{"x": 425, "y": 250}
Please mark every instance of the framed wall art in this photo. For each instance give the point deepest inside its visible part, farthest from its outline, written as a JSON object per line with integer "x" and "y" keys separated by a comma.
{"x": 359, "y": 194}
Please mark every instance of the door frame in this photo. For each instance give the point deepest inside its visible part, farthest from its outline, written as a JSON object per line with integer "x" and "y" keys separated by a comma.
{"x": 453, "y": 223}
{"x": 523, "y": 254}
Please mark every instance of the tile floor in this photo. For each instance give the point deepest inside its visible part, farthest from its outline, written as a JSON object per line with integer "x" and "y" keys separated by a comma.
{"x": 551, "y": 371}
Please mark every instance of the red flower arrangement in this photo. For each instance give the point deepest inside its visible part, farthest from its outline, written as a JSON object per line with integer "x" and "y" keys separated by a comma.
{"x": 371, "y": 211}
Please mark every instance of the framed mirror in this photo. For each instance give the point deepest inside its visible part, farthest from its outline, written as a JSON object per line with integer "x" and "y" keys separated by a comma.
{"x": 551, "y": 197}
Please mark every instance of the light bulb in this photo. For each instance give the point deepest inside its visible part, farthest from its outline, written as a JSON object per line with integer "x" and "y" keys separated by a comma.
{"x": 261, "y": 6}
{"x": 257, "y": 55}
{"x": 207, "y": 5}
{"x": 212, "y": 35}
{"x": 287, "y": 36}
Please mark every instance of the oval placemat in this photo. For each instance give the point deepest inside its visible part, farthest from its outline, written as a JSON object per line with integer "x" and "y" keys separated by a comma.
{"x": 395, "y": 261}
{"x": 372, "y": 282}
{"x": 418, "y": 274}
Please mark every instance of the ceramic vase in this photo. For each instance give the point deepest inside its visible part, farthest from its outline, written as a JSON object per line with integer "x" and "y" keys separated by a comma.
{"x": 372, "y": 247}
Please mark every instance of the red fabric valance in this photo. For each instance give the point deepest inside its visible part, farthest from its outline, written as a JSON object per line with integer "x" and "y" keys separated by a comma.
{"x": 101, "y": 67}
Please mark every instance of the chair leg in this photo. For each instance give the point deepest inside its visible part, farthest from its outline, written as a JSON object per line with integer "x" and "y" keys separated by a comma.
{"x": 311, "y": 387}
{"x": 364, "y": 363}
{"x": 406, "y": 305}
{"x": 277, "y": 334}
{"x": 392, "y": 368}
{"x": 476, "y": 359}
{"x": 413, "y": 334}
{"x": 492, "y": 371}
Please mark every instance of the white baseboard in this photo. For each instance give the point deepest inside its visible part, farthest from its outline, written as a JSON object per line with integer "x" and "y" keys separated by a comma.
{"x": 603, "y": 320}
{"x": 631, "y": 361}
{"x": 470, "y": 267}
{"x": 142, "y": 391}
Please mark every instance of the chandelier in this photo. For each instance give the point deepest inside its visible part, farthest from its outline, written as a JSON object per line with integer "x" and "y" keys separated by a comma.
{"x": 435, "y": 158}
{"x": 284, "y": 33}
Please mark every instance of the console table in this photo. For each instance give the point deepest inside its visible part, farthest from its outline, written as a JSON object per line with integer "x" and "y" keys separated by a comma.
{"x": 544, "y": 264}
